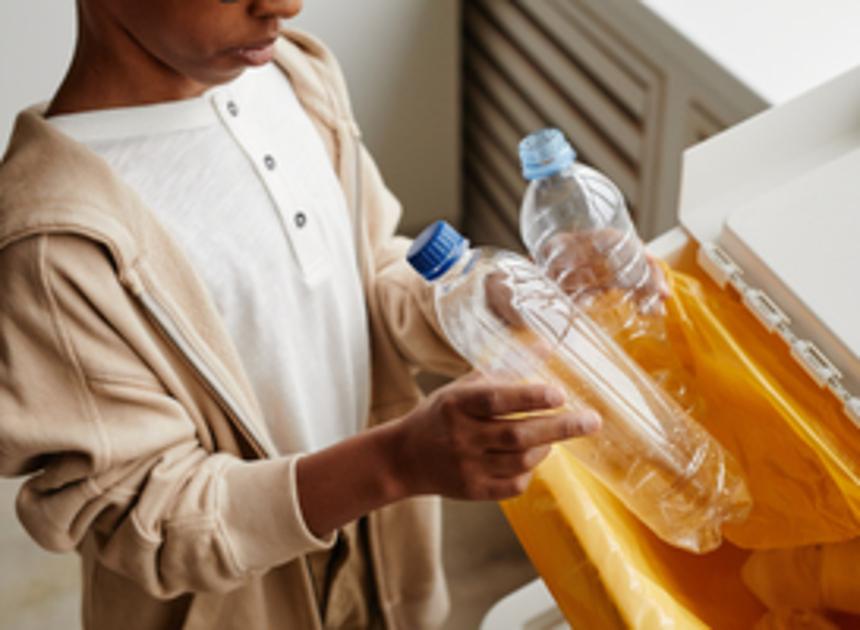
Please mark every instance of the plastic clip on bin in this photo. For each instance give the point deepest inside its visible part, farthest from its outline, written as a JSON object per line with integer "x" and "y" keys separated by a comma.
{"x": 765, "y": 300}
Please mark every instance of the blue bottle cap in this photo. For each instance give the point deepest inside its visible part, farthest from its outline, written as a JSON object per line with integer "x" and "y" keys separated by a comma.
{"x": 436, "y": 249}
{"x": 544, "y": 153}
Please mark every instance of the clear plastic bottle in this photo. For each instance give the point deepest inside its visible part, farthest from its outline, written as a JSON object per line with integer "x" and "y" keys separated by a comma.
{"x": 575, "y": 224}
{"x": 510, "y": 321}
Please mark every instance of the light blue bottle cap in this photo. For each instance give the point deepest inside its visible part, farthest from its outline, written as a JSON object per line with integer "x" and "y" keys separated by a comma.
{"x": 544, "y": 153}
{"x": 436, "y": 249}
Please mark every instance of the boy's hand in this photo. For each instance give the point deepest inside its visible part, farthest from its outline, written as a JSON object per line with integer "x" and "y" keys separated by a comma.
{"x": 456, "y": 444}
{"x": 595, "y": 261}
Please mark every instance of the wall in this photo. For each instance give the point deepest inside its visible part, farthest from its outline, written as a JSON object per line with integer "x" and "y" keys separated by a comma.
{"x": 36, "y": 40}
{"x": 401, "y": 60}
{"x": 405, "y": 92}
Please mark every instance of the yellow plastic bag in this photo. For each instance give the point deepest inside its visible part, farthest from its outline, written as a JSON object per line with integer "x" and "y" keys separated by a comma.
{"x": 817, "y": 577}
{"x": 795, "y": 619}
{"x": 606, "y": 570}
{"x": 798, "y": 451}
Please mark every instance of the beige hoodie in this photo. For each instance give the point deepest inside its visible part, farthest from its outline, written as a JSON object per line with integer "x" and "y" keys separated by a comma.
{"x": 123, "y": 399}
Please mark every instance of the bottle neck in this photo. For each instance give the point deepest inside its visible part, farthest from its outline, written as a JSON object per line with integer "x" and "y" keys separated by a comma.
{"x": 561, "y": 174}
{"x": 457, "y": 266}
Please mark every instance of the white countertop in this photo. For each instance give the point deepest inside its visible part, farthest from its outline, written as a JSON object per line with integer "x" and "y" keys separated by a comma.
{"x": 778, "y": 48}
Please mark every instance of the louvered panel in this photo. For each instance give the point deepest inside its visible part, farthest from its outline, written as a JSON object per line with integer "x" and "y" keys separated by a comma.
{"x": 499, "y": 94}
{"x": 585, "y": 16}
{"x": 481, "y": 72}
{"x": 550, "y": 104}
{"x": 487, "y": 114}
{"x": 700, "y": 124}
{"x": 591, "y": 53}
{"x": 528, "y": 117}
{"x": 595, "y": 21}
{"x": 600, "y": 109}
{"x": 494, "y": 158}
{"x": 627, "y": 89}
{"x": 483, "y": 182}
{"x": 487, "y": 181}
{"x": 484, "y": 227}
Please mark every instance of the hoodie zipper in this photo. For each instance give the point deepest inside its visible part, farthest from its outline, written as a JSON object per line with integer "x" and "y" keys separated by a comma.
{"x": 373, "y": 535}
{"x": 174, "y": 334}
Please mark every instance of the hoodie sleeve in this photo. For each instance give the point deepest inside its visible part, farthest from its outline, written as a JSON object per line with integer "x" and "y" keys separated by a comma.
{"x": 405, "y": 300}
{"x": 110, "y": 455}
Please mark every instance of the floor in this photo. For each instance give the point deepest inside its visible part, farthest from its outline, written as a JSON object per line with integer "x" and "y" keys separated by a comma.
{"x": 483, "y": 560}
{"x": 39, "y": 590}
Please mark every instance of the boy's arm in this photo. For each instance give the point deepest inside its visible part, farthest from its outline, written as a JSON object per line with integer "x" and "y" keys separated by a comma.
{"x": 114, "y": 458}
{"x": 405, "y": 299}
{"x": 109, "y": 452}
{"x": 453, "y": 443}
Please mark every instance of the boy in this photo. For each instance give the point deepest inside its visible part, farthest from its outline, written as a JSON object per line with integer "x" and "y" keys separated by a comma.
{"x": 207, "y": 333}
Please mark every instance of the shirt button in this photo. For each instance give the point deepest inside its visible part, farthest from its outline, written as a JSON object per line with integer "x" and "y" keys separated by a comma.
{"x": 232, "y": 108}
{"x": 269, "y": 161}
{"x": 300, "y": 219}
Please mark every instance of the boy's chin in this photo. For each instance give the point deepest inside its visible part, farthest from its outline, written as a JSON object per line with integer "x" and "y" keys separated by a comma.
{"x": 218, "y": 75}
{"x": 233, "y": 64}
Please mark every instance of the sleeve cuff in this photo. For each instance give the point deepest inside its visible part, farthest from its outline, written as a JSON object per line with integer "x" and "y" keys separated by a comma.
{"x": 261, "y": 515}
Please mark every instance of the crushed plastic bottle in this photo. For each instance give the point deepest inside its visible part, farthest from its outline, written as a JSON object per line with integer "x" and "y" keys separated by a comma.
{"x": 575, "y": 224}
{"x": 510, "y": 321}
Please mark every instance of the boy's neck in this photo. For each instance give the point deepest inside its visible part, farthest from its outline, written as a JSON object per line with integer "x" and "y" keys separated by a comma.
{"x": 116, "y": 72}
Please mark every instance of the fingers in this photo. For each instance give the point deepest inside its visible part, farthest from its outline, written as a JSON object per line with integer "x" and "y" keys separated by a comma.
{"x": 505, "y": 465}
{"x": 521, "y": 435}
{"x": 491, "y": 400}
{"x": 591, "y": 262}
{"x": 476, "y": 454}
{"x": 499, "y": 297}
{"x": 500, "y": 489}
{"x": 658, "y": 278}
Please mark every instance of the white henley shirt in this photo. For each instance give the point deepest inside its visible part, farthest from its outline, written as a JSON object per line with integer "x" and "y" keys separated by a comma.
{"x": 241, "y": 179}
